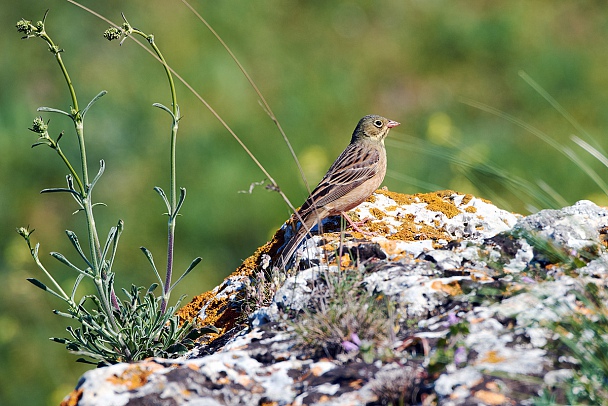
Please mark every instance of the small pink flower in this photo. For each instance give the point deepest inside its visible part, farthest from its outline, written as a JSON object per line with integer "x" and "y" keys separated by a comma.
{"x": 460, "y": 355}
{"x": 452, "y": 318}
{"x": 348, "y": 346}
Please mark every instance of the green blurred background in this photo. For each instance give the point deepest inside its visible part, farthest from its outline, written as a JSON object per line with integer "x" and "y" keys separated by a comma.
{"x": 321, "y": 65}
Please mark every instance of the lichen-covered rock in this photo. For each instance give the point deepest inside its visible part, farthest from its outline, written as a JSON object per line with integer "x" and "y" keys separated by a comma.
{"x": 448, "y": 303}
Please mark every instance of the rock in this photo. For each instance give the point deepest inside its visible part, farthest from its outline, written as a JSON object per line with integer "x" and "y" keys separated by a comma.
{"x": 449, "y": 303}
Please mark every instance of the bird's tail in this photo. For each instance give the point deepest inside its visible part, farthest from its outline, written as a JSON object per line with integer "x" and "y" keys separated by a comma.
{"x": 292, "y": 245}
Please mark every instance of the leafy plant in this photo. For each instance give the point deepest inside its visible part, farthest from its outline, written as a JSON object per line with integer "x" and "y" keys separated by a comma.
{"x": 583, "y": 336}
{"x": 110, "y": 330}
{"x": 344, "y": 318}
{"x": 261, "y": 287}
{"x": 450, "y": 349}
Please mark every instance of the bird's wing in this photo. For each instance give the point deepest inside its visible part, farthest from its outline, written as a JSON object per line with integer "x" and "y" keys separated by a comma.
{"x": 357, "y": 164}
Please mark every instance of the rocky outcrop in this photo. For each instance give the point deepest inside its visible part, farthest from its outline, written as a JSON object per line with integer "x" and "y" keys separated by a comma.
{"x": 450, "y": 302}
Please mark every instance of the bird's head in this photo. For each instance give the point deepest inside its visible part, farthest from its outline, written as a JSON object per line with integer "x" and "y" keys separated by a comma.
{"x": 373, "y": 127}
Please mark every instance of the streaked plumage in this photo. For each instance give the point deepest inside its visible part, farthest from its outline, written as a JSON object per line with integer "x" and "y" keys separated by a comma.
{"x": 352, "y": 178}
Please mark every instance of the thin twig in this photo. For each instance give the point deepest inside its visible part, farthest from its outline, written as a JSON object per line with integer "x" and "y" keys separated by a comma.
{"x": 255, "y": 88}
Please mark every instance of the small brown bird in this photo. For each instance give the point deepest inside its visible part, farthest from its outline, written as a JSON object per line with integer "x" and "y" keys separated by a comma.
{"x": 352, "y": 178}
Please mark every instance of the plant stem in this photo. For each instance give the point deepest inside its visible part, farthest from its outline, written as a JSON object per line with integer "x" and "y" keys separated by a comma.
{"x": 85, "y": 191}
{"x": 173, "y": 176}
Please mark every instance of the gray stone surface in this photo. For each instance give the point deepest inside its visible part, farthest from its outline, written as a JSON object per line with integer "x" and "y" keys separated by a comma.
{"x": 483, "y": 272}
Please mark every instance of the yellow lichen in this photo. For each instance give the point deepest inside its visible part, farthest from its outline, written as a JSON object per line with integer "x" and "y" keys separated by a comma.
{"x": 412, "y": 231}
{"x": 378, "y": 227}
{"x": 377, "y": 213}
{"x": 466, "y": 199}
{"x": 439, "y": 201}
{"x": 399, "y": 198}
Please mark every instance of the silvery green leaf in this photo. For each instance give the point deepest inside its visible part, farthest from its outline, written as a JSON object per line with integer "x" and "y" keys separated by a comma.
{"x": 59, "y": 257}
{"x": 78, "y": 197}
{"x": 53, "y": 110}
{"x": 42, "y": 286}
{"x": 180, "y": 201}
{"x": 109, "y": 241}
{"x": 148, "y": 255}
{"x": 37, "y": 283}
{"x": 85, "y": 361}
{"x": 163, "y": 107}
{"x": 76, "y": 283}
{"x": 193, "y": 264}
{"x": 60, "y": 189}
{"x": 74, "y": 240}
{"x": 102, "y": 168}
{"x": 152, "y": 288}
{"x": 99, "y": 96}
{"x": 116, "y": 237}
{"x": 164, "y": 196}
{"x": 63, "y": 314}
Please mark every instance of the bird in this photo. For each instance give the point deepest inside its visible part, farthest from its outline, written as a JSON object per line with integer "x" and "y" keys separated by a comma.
{"x": 357, "y": 172}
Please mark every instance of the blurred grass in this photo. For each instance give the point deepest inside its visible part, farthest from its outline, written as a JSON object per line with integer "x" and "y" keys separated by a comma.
{"x": 321, "y": 65}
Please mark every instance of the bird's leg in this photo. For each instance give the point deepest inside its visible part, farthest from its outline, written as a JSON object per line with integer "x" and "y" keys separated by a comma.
{"x": 354, "y": 225}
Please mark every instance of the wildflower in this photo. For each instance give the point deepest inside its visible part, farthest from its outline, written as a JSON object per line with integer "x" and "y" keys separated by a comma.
{"x": 352, "y": 345}
{"x": 39, "y": 126}
{"x": 112, "y": 33}
{"x": 348, "y": 346}
{"x": 25, "y": 233}
{"x": 452, "y": 319}
{"x": 460, "y": 355}
{"x": 26, "y": 27}
{"x": 527, "y": 279}
{"x": 265, "y": 261}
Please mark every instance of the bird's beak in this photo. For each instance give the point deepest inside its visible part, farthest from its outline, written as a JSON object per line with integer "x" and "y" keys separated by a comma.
{"x": 392, "y": 124}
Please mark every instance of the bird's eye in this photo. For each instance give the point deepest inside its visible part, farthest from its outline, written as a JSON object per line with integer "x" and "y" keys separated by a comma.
{"x": 378, "y": 123}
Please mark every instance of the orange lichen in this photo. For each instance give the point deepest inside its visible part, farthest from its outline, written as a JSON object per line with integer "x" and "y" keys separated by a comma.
{"x": 470, "y": 209}
{"x": 345, "y": 262}
{"x": 190, "y": 311}
{"x": 356, "y": 384}
{"x": 492, "y": 357}
{"x": 452, "y": 289}
{"x": 219, "y": 312}
{"x": 136, "y": 375}
{"x": 604, "y": 236}
{"x": 492, "y": 398}
{"x": 73, "y": 398}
